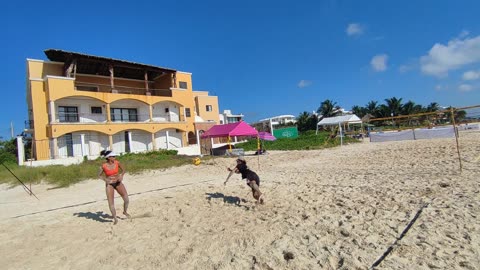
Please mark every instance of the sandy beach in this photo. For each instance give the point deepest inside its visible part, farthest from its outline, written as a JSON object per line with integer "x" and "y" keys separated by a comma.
{"x": 338, "y": 208}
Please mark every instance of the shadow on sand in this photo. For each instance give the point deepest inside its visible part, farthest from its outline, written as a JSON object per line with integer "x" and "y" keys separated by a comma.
{"x": 226, "y": 199}
{"x": 98, "y": 216}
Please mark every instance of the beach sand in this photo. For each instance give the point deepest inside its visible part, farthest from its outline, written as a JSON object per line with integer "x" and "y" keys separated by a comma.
{"x": 338, "y": 208}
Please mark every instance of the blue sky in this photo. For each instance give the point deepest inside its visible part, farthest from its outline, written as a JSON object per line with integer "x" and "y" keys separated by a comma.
{"x": 261, "y": 58}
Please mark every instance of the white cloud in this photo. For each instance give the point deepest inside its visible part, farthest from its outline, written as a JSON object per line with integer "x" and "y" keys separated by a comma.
{"x": 379, "y": 62}
{"x": 465, "y": 87}
{"x": 354, "y": 29}
{"x": 458, "y": 53}
{"x": 304, "y": 83}
{"x": 464, "y": 34}
{"x": 471, "y": 75}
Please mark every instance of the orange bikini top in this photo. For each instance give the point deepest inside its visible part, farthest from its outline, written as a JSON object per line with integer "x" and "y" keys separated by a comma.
{"x": 110, "y": 172}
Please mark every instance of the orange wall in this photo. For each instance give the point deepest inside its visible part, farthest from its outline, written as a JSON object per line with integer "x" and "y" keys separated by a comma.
{"x": 47, "y": 84}
{"x": 202, "y": 102}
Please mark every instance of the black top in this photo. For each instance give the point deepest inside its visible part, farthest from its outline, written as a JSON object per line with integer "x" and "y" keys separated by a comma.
{"x": 246, "y": 172}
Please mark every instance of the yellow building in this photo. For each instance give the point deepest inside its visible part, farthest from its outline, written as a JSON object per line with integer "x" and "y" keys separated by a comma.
{"x": 81, "y": 104}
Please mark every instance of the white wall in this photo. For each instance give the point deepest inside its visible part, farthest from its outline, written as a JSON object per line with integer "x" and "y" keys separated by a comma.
{"x": 141, "y": 141}
{"x": 84, "y": 106}
{"x": 161, "y": 140}
{"x": 175, "y": 139}
{"x": 95, "y": 142}
{"x": 119, "y": 142}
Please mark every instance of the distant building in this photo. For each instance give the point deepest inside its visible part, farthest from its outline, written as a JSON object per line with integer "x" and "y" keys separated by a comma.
{"x": 268, "y": 124}
{"x": 80, "y": 104}
{"x": 227, "y": 117}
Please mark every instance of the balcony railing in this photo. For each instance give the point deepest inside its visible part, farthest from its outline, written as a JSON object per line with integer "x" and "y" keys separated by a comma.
{"x": 80, "y": 118}
{"x": 106, "y": 88}
{"x": 121, "y": 118}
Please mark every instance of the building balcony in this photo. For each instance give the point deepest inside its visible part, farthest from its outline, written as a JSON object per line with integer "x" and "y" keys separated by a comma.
{"x": 64, "y": 87}
{"x": 85, "y": 118}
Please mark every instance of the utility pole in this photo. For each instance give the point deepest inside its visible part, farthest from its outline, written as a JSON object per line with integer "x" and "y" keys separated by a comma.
{"x": 11, "y": 129}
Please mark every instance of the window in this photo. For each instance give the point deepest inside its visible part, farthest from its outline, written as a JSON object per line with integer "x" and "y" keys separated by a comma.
{"x": 124, "y": 115}
{"x": 167, "y": 110}
{"x": 183, "y": 85}
{"x": 96, "y": 110}
{"x": 67, "y": 114}
{"x": 209, "y": 108}
{"x": 88, "y": 88}
{"x": 69, "y": 144}
{"x": 187, "y": 112}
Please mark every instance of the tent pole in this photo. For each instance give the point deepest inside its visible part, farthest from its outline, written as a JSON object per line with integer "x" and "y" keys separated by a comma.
{"x": 258, "y": 150}
{"x": 229, "y": 145}
{"x": 456, "y": 138}
{"x": 341, "y": 138}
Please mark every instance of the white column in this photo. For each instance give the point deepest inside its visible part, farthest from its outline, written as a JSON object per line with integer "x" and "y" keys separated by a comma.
{"x": 236, "y": 139}
{"x": 154, "y": 143}
{"x": 130, "y": 141}
{"x": 211, "y": 140}
{"x": 52, "y": 111}
{"x": 21, "y": 150}
{"x": 55, "y": 148}
{"x": 198, "y": 137}
{"x": 168, "y": 139}
{"x": 150, "y": 111}
{"x": 82, "y": 142}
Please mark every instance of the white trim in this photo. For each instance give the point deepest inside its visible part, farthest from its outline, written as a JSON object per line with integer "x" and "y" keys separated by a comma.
{"x": 180, "y": 89}
{"x": 58, "y": 77}
{"x": 183, "y": 72}
{"x": 36, "y": 79}
{"x": 43, "y": 61}
{"x": 108, "y": 77}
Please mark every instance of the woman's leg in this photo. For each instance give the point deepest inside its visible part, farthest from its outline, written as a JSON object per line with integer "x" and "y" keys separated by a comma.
{"x": 255, "y": 190}
{"x": 123, "y": 192}
{"x": 110, "y": 195}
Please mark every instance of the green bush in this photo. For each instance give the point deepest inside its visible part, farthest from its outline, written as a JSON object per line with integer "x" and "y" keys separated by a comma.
{"x": 63, "y": 176}
{"x": 305, "y": 141}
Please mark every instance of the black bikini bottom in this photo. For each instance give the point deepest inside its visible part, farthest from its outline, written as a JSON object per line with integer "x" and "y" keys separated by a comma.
{"x": 115, "y": 185}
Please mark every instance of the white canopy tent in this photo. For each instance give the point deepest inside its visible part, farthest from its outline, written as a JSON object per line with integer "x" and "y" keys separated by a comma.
{"x": 340, "y": 120}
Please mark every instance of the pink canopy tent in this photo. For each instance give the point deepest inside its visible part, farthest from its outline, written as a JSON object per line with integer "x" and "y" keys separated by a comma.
{"x": 230, "y": 130}
{"x": 263, "y": 135}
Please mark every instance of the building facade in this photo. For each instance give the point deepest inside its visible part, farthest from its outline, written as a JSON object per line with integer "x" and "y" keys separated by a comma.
{"x": 81, "y": 104}
{"x": 268, "y": 124}
{"x": 228, "y": 118}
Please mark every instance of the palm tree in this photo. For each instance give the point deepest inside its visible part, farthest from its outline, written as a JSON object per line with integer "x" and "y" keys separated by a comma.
{"x": 411, "y": 108}
{"x": 372, "y": 107}
{"x": 433, "y": 107}
{"x": 394, "y": 105}
{"x": 302, "y": 121}
{"x": 328, "y": 108}
{"x": 312, "y": 122}
{"x": 359, "y": 111}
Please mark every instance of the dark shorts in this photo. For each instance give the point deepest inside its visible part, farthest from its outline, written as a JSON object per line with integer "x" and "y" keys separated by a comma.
{"x": 115, "y": 185}
{"x": 254, "y": 177}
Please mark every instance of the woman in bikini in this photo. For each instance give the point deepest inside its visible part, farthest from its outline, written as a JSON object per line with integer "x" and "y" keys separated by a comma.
{"x": 109, "y": 172}
{"x": 253, "y": 181}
